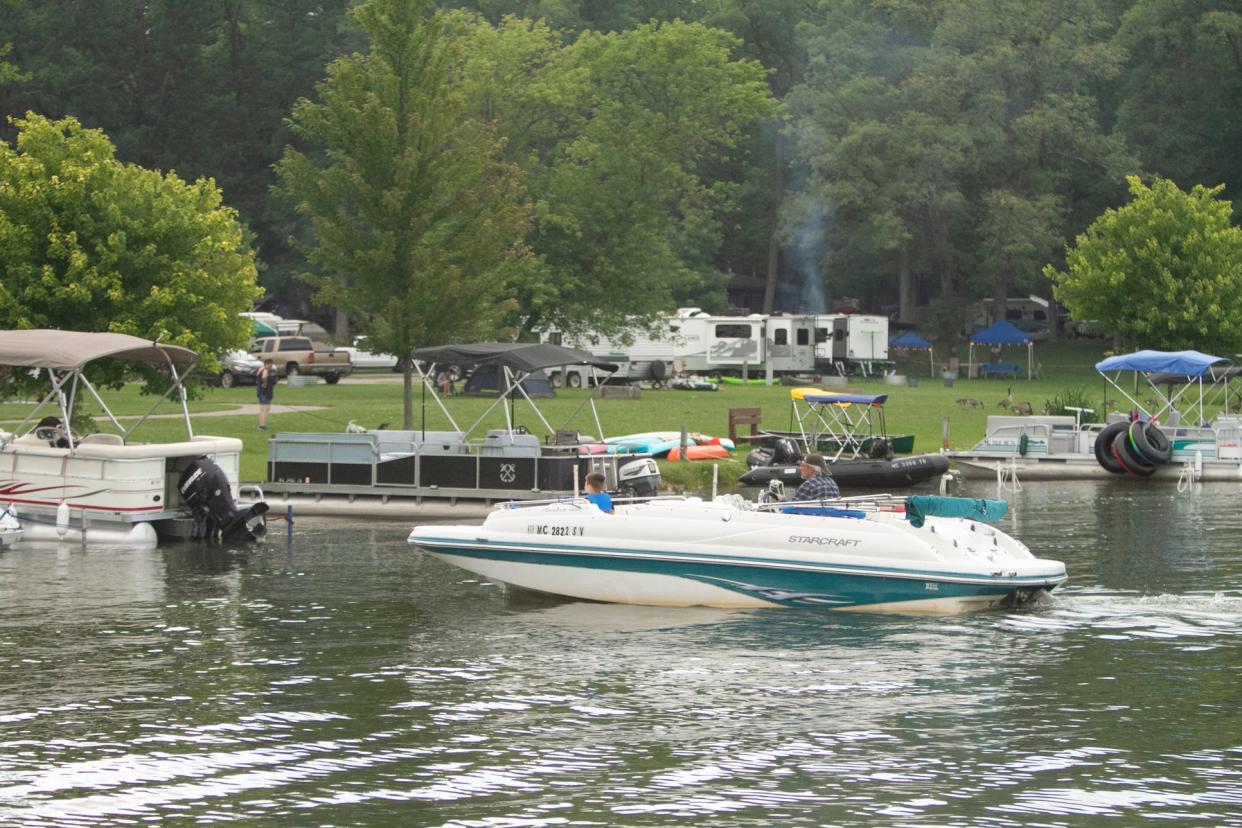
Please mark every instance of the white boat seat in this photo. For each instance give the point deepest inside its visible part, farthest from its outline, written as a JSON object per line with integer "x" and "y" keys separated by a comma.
{"x": 102, "y": 439}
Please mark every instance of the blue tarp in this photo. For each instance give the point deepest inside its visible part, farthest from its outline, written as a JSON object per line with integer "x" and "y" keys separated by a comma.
{"x": 910, "y": 340}
{"x": 1185, "y": 363}
{"x": 1003, "y": 332}
{"x": 921, "y": 507}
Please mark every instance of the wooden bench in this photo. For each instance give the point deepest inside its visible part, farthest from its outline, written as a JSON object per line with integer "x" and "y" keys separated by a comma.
{"x": 745, "y": 417}
{"x": 1000, "y": 369}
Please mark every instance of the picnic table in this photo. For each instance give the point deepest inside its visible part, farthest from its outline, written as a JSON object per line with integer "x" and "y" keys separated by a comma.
{"x": 1000, "y": 369}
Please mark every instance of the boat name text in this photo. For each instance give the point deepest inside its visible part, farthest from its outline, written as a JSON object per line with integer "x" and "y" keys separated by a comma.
{"x": 824, "y": 541}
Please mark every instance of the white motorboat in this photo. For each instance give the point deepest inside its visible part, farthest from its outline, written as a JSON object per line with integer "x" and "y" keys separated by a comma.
{"x": 105, "y": 487}
{"x": 875, "y": 554}
{"x": 1179, "y": 427}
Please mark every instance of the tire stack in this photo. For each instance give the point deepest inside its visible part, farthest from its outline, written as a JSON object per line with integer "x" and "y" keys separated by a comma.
{"x": 1134, "y": 448}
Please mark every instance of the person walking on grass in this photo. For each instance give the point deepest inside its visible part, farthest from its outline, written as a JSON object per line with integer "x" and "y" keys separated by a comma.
{"x": 266, "y": 384}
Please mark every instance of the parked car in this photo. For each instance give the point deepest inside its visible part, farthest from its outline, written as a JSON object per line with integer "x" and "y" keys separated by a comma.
{"x": 236, "y": 368}
{"x": 294, "y": 355}
{"x": 365, "y": 360}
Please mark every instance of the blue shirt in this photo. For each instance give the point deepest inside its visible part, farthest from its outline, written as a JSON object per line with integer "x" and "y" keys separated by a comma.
{"x": 602, "y": 500}
{"x": 819, "y": 487}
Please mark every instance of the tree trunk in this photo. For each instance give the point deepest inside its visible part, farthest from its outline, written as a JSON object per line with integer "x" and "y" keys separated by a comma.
{"x": 905, "y": 289}
{"x": 340, "y": 331}
{"x": 777, "y": 184}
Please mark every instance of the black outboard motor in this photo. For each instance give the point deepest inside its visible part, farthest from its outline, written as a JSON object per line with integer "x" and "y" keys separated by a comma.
{"x": 205, "y": 489}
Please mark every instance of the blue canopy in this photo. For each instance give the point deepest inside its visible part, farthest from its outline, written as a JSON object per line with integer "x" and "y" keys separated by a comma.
{"x": 1185, "y": 363}
{"x": 1003, "y": 332}
{"x": 910, "y": 340}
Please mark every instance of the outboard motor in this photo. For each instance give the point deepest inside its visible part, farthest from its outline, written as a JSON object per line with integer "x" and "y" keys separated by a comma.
{"x": 785, "y": 452}
{"x": 205, "y": 489}
{"x": 639, "y": 478}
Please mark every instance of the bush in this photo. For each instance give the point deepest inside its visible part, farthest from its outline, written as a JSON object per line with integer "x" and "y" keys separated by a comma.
{"x": 1070, "y": 398}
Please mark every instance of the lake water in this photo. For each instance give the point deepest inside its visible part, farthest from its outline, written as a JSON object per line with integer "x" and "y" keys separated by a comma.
{"x": 343, "y": 678}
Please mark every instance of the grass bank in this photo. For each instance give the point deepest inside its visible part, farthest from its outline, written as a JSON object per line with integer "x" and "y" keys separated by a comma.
{"x": 922, "y": 410}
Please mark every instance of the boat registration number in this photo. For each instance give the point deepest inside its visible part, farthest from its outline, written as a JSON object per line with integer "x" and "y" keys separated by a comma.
{"x": 562, "y": 531}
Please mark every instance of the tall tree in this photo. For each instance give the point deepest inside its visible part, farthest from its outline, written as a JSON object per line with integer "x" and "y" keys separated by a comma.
{"x": 89, "y": 243}
{"x": 1163, "y": 271}
{"x": 616, "y": 133}
{"x": 418, "y": 224}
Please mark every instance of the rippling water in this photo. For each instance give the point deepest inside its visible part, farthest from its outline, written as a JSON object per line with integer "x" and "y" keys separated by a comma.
{"x": 344, "y": 678}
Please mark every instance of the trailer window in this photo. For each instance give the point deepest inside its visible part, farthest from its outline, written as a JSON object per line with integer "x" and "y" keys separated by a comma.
{"x": 804, "y": 336}
{"x": 780, "y": 336}
{"x": 821, "y": 335}
{"x": 733, "y": 331}
{"x": 554, "y": 338}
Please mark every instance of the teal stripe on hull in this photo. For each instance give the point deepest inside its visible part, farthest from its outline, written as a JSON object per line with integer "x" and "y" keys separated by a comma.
{"x": 785, "y": 587}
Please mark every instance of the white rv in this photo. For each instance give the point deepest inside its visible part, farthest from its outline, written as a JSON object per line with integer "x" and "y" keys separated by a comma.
{"x": 849, "y": 343}
{"x": 695, "y": 342}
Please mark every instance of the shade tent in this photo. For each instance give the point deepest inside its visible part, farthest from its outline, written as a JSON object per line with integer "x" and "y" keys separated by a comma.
{"x": 513, "y": 363}
{"x": 1001, "y": 334}
{"x": 910, "y": 341}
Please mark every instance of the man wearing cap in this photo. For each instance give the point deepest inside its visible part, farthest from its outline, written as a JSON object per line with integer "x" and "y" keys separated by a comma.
{"x": 817, "y": 484}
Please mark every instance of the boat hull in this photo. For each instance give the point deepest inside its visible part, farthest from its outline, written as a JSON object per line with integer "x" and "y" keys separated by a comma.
{"x": 727, "y": 557}
{"x": 859, "y": 474}
{"x": 1081, "y": 467}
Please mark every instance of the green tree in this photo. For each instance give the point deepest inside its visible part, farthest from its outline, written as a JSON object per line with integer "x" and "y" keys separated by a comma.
{"x": 418, "y": 223}
{"x": 1163, "y": 271}
{"x": 91, "y": 244}
{"x": 618, "y": 135}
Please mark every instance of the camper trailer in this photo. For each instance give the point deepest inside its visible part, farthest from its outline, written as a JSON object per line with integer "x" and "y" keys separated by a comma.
{"x": 852, "y": 343}
{"x": 692, "y": 341}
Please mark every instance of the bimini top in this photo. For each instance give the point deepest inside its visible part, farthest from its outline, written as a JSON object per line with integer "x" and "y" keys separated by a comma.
{"x": 1182, "y": 363}
{"x": 70, "y": 350}
{"x": 519, "y": 356}
{"x": 818, "y": 395}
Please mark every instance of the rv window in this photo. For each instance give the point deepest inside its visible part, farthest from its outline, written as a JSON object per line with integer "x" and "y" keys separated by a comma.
{"x": 554, "y": 338}
{"x": 733, "y": 331}
{"x": 804, "y": 336}
{"x": 780, "y": 337}
{"x": 1013, "y": 313}
{"x": 821, "y": 335}
{"x": 1039, "y": 316}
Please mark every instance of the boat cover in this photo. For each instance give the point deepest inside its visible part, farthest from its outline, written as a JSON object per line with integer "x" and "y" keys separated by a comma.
{"x": 1182, "y": 363}
{"x": 67, "y": 350}
{"x": 817, "y": 395}
{"x": 921, "y": 507}
{"x": 518, "y": 356}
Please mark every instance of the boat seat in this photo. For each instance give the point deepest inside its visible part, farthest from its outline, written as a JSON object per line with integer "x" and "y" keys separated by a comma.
{"x": 102, "y": 439}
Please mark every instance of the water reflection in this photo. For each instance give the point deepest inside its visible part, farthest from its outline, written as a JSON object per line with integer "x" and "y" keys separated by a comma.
{"x": 344, "y": 678}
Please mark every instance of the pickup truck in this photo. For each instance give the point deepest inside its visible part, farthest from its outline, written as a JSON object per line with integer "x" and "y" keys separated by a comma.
{"x": 294, "y": 355}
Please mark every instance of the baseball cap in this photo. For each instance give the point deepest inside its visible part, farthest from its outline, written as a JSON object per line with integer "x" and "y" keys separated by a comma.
{"x": 815, "y": 461}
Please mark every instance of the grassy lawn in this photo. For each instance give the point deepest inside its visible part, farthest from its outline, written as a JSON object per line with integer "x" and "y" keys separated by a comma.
{"x": 1067, "y": 366}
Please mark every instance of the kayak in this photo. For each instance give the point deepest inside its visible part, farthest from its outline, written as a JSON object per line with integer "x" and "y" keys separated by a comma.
{"x": 708, "y": 452}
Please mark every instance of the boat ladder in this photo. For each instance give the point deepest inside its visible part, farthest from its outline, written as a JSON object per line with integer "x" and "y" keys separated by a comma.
{"x": 1007, "y": 477}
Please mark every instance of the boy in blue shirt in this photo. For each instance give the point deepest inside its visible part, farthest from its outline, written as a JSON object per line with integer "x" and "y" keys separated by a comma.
{"x": 596, "y": 494}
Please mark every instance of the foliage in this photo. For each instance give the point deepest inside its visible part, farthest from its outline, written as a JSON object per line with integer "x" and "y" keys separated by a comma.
{"x": 1164, "y": 271}
{"x": 90, "y": 244}
{"x": 1076, "y": 397}
{"x": 615, "y": 133}
{"x": 418, "y": 223}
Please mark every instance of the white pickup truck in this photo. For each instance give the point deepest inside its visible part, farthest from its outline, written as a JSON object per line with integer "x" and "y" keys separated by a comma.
{"x": 294, "y": 355}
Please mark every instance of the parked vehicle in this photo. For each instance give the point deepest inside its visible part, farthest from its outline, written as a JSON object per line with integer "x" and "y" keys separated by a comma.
{"x": 365, "y": 360}
{"x": 236, "y": 368}
{"x": 295, "y": 355}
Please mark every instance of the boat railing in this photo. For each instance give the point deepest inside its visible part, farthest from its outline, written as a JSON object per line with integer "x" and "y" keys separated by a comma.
{"x": 863, "y": 503}
{"x": 580, "y": 501}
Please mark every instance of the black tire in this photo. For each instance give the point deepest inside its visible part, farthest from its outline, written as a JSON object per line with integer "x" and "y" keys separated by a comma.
{"x": 1131, "y": 462}
{"x": 1149, "y": 442}
{"x": 331, "y": 379}
{"x": 1104, "y": 447}
{"x": 227, "y": 379}
{"x": 291, "y": 370}
{"x": 574, "y": 380}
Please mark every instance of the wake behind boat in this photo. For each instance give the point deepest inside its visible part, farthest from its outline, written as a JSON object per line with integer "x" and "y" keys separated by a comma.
{"x": 876, "y": 554}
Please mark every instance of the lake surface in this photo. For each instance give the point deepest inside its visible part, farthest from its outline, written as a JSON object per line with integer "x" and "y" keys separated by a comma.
{"x": 342, "y": 678}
